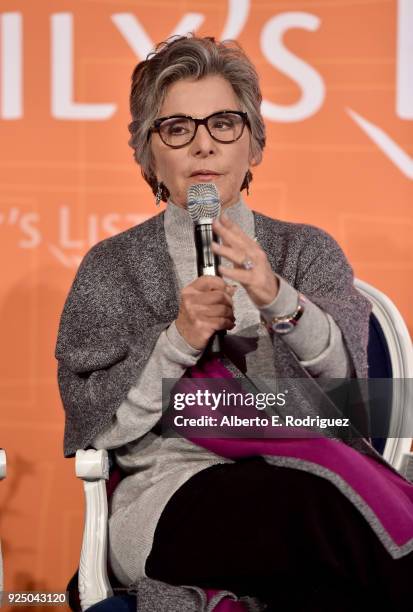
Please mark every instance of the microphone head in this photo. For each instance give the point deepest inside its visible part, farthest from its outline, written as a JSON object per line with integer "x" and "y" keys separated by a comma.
{"x": 203, "y": 201}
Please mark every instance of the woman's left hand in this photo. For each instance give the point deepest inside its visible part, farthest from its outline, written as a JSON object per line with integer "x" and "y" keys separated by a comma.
{"x": 251, "y": 265}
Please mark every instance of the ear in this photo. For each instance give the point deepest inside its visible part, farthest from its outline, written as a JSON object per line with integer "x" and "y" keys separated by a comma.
{"x": 253, "y": 160}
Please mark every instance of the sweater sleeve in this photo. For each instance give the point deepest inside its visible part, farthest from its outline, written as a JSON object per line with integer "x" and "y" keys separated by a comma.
{"x": 142, "y": 408}
{"x": 316, "y": 340}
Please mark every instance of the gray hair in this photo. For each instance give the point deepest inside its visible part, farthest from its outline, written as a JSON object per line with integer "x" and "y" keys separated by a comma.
{"x": 183, "y": 57}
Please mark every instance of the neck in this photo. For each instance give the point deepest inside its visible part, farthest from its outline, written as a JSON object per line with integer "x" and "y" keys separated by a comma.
{"x": 182, "y": 212}
{"x": 179, "y": 226}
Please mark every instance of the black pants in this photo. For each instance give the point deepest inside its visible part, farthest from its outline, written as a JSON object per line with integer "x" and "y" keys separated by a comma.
{"x": 280, "y": 534}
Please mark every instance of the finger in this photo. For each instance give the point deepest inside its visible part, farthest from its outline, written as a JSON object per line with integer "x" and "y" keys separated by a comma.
{"x": 218, "y": 310}
{"x": 234, "y": 255}
{"x": 231, "y": 233}
{"x": 226, "y": 235}
{"x": 213, "y": 297}
{"x": 222, "y": 323}
{"x": 237, "y": 274}
{"x": 231, "y": 289}
{"x": 208, "y": 283}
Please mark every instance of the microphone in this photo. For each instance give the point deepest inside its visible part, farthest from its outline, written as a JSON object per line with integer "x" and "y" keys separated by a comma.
{"x": 204, "y": 205}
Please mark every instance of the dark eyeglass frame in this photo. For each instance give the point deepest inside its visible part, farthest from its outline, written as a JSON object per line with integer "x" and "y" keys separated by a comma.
{"x": 157, "y": 123}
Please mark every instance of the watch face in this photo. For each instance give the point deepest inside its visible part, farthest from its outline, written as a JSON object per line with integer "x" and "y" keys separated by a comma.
{"x": 283, "y": 327}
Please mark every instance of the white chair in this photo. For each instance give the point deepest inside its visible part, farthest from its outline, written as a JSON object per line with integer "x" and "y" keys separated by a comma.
{"x": 400, "y": 351}
{"x": 3, "y": 470}
{"x": 92, "y": 466}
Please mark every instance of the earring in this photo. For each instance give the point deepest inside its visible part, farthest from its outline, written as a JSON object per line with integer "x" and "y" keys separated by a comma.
{"x": 247, "y": 181}
{"x": 159, "y": 194}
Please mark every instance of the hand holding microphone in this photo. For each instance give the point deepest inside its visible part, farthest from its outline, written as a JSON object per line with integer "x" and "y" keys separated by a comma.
{"x": 206, "y": 305}
{"x": 205, "y": 308}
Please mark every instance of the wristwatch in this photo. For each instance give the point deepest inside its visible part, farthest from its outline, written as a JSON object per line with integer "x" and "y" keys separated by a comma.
{"x": 286, "y": 323}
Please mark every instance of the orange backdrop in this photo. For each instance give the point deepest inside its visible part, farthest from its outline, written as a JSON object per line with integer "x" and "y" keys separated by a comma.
{"x": 337, "y": 82}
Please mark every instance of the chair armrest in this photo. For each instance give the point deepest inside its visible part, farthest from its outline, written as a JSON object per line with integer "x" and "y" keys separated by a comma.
{"x": 92, "y": 466}
{"x": 3, "y": 471}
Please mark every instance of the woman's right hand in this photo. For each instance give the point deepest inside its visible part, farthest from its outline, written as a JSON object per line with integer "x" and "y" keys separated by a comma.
{"x": 205, "y": 308}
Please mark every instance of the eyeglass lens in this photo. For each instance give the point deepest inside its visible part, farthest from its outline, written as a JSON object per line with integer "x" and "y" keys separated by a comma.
{"x": 177, "y": 131}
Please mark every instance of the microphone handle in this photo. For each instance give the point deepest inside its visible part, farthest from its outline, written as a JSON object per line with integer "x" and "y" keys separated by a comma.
{"x": 207, "y": 263}
{"x": 215, "y": 344}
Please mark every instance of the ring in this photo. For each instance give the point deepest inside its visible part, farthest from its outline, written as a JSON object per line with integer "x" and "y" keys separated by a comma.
{"x": 247, "y": 264}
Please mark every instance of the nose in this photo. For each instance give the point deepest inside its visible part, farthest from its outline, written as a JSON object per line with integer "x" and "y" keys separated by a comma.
{"x": 203, "y": 144}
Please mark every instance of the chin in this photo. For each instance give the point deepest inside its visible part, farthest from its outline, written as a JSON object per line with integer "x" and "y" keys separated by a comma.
{"x": 230, "y": 200}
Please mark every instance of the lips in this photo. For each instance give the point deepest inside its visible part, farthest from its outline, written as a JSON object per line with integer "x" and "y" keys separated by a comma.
{"x": 205, "y": 173}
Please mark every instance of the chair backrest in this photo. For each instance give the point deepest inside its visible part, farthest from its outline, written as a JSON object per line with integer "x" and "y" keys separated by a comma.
{"x": 390, "y": 355}
{"x": 378, "y": 354}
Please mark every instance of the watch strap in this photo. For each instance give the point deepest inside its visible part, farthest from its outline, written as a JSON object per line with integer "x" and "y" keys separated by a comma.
{"x": 284, "y": 324}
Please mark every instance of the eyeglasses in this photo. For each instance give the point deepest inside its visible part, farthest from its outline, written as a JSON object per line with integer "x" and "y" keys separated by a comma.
{"x": 179, "y": 130}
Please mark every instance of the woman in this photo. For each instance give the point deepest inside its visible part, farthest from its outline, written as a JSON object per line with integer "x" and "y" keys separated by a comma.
{"x": 137, "y": 313}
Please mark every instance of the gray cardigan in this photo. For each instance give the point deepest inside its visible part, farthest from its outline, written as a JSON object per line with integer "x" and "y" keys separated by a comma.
{"x": 125, "y": 294}
{"x": 157, "y": 465}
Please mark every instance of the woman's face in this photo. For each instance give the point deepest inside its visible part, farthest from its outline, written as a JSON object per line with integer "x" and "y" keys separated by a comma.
{"x": 176, "y": 167}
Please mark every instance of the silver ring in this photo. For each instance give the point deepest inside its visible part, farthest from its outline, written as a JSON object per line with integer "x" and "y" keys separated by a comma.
{"x": 247, "y": 264}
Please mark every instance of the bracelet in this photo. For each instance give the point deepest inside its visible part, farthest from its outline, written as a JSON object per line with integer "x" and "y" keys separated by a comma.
{"x": 286, "y": 323}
